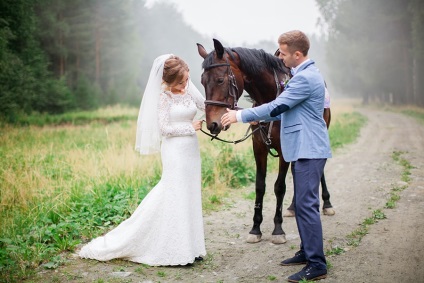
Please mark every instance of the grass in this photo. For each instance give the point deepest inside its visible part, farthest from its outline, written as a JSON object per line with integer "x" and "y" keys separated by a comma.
{"x": 412, "y": 111}
{"x": 73, "y": 178}
{"x": 415, "y": 113}
{"x": 340, "y": 134}
{"x": 102, "y": 116}
{"x": 356, "y": 236}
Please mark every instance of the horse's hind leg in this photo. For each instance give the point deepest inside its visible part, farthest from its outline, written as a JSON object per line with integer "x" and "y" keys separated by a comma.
{"x": 327, "y": 208}
{"x": 278, "y": 235}
{"x": 290, "y": 210}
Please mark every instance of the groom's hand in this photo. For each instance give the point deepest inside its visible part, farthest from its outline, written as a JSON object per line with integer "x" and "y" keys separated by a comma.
{"x": 229, "y": 118}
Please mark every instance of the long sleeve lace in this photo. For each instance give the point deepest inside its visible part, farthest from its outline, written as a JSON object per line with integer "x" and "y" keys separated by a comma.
{"x": 197, "y": 97}
{"x": 167, "y": 128}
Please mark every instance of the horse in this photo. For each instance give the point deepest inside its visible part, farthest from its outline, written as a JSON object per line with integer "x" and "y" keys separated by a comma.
{"x": 226, "y": 73}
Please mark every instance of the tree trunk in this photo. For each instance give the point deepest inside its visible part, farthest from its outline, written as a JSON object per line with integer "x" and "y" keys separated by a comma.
{"x": 98, "y": 43}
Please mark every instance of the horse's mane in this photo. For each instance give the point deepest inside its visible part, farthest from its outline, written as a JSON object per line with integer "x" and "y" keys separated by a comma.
{"x": 253, "y": 61}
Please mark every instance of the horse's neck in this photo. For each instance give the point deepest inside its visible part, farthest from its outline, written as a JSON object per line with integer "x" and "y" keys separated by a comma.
{"x": 262, "y": 89}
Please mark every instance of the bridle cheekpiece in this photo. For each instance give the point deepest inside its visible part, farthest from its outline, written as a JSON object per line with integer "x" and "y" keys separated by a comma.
{"x": 232, "y": 89}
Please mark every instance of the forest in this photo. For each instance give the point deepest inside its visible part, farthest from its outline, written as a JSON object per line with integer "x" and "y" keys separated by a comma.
{"x": 58, "y": 56}
{"x": 375, "y": 49}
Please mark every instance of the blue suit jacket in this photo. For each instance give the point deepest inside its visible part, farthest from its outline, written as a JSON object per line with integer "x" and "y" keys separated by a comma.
{"x": 303, "y": 130}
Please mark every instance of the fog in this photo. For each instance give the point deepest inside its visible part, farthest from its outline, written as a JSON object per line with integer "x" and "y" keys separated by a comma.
{"x": 354, "y": 43}
{"x": 241, "y": 23}
{"x": 247, "y": 22}
{"x": 88, "y": 54}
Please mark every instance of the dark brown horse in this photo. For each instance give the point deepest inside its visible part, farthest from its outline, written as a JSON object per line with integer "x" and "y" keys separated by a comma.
{"x": 227, "y": 72}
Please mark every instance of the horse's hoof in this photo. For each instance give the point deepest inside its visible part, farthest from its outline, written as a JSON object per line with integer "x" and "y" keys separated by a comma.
{"x": 289, "y": 213}
{"x": 278, "y": 239}
{"x": 254, "y": 238}
{"x": 329, "y": 211}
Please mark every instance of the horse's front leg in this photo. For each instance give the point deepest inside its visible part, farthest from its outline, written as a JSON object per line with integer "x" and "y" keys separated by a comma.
{"x": 327, "y": 208}
{"x": 255, "y": 235}
{"x": 278, "y": 235}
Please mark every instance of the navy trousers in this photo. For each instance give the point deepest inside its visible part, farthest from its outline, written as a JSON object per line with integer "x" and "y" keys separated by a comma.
{"x": 306, "y": 177}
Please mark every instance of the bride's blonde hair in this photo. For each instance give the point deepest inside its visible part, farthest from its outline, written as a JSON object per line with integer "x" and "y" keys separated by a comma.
{"x": 173, "y": 70}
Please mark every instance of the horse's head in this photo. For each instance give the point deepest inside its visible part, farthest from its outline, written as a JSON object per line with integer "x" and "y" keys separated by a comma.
{"x": 223, "y": 83}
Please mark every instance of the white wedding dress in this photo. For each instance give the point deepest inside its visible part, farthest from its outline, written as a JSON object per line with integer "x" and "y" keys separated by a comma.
{"x": 167, "y": 226}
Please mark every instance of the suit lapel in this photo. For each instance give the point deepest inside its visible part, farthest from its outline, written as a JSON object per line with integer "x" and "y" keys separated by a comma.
{"x": 305, "y": 66}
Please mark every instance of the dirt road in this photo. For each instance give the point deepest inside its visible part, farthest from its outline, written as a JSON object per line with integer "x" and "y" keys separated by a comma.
{"x": 360, "y": 178}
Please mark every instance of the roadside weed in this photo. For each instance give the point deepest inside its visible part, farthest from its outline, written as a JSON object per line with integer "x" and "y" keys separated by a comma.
{"x": 271, "y": 277}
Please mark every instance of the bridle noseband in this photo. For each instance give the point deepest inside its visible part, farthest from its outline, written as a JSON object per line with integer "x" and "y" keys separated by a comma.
{"x": 232, "y": 88}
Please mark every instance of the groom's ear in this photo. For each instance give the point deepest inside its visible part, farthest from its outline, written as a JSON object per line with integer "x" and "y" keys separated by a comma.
{"x": 201, "y": 50}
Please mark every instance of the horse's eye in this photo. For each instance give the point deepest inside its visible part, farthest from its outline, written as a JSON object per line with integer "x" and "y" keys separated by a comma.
{"x": 220, "y": 81}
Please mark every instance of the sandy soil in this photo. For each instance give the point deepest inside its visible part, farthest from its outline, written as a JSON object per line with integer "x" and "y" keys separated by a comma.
{"x": 360, "y": 178}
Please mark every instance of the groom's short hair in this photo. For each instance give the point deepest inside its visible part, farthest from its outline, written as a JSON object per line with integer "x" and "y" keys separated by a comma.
{"x": 296, "y": 41}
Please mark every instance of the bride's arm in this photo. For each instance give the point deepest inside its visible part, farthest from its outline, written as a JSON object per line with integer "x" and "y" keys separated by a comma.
{"x": 198, "y": 98}
{"x": 165, "y": 126}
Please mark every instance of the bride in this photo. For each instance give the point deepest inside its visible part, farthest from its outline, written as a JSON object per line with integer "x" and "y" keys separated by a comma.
{"x": 167, "y": 226}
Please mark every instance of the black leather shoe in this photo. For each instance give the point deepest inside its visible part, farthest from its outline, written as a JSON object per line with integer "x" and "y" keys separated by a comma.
{"x": 199, "y": 258}
{"x": 299, "y": 258}
{"x": 308, "y": 273}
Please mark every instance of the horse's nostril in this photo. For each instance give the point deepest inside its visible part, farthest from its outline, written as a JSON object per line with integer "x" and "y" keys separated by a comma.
{"x": 214, "y": 128}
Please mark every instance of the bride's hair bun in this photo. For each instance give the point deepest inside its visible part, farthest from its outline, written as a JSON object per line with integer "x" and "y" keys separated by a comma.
{"x": 174, "y": 69}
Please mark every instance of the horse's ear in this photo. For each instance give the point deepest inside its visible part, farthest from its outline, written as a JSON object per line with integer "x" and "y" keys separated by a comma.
{"x": 218, "y": 48}
{"x": 201, "y": 50}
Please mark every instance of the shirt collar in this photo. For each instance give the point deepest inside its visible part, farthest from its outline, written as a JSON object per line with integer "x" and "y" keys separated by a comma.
{"x": 294, "y": 70}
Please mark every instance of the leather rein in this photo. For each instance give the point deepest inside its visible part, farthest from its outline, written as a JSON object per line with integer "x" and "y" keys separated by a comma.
{"x": 234, "y": 93}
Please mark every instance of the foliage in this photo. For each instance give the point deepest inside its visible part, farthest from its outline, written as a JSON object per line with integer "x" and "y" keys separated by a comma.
{"x": 334, "y": 251}
{"x": 235, "y": 169}
{"x": 345, "y": 129}
{"x": 53, "y": 229}
{"x": 58, "y": 55}
{"x": 105, "y": 115}
{"x": 404, "y": 163}
{"x": 372, "y": 40}
{"x": 26, "y": 83}
{"x": 419, "y": 115}
{"x": 355, "y": 237}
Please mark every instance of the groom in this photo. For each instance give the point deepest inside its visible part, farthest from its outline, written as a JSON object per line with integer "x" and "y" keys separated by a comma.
{"x": 304, "y": 142}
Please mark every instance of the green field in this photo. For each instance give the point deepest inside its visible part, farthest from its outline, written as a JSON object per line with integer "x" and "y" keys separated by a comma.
{"x": 67, "y": 178}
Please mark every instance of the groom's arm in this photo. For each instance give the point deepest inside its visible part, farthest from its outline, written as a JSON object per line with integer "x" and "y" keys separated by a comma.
{"x": 268, "y": 111}
{"x": 290, "y": 97}
{"x": 258, "y": 113}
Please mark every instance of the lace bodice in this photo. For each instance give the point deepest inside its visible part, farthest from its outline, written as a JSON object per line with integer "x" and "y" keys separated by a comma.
{"x": 176, "y": 113}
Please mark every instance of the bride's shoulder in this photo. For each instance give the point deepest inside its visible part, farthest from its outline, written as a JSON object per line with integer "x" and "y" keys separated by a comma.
{"x": 166, "y": 94}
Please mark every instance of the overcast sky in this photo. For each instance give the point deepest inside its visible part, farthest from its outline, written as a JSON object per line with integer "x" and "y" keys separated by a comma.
{"x": 241, "y": 22}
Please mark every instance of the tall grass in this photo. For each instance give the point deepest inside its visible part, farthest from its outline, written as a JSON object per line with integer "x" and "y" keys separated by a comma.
{"x": 345, "y": 129}
{"x": 104, "y": 115}
{"x": 60, "y": 185}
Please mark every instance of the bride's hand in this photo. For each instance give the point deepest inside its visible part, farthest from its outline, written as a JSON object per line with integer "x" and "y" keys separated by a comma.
{"x": 197, "y": 125}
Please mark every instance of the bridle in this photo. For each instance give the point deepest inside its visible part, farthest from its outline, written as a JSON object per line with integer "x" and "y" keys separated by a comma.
{"x": 233, "y": 90}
